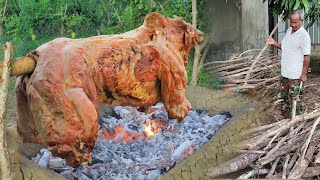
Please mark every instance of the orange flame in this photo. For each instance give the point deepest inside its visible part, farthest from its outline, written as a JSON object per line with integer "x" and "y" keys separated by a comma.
{"x": 148, "y": 130}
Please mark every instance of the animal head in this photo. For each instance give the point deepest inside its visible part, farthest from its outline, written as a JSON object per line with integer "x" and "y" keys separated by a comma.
{"x": 176, "y": 31}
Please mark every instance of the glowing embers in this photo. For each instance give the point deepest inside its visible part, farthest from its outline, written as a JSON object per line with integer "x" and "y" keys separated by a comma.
{"x": 143, "y": 143}
{"x": 148, "y": 130}
{"x": 120, "y": 134}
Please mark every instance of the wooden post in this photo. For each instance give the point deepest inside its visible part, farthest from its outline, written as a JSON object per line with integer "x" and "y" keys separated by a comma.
{"x": 197, "y": 49}
{"x": 5, "y": 164}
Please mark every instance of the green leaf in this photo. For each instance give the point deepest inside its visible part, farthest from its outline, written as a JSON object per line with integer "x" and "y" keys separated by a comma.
{"x": 306, "y": 5}
{"x": 291, "y": 3}
{"x": 140, "y": 6}
{"x": 73, "y": 35}
{"x": 297, "y": 5}
{"x": 33, "y": 37}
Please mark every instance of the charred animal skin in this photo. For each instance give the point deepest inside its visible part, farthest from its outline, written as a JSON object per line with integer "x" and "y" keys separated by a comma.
{"x": 59, "y": 101}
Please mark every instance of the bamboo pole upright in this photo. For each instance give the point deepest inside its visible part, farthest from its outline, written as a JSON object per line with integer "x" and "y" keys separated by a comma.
{"x": 5, "y": 164}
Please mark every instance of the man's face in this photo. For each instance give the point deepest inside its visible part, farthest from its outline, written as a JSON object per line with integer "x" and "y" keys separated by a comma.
{"x": 295, "y": 22}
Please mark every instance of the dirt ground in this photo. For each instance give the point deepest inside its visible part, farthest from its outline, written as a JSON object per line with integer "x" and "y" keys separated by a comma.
{"x": 11, "y": 105}
{"x": 311, "y": 98}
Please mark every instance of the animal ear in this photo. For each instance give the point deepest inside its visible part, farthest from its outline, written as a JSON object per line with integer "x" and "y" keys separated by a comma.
{"x": 186, "y": 39}
{"x": 155, "y": 20}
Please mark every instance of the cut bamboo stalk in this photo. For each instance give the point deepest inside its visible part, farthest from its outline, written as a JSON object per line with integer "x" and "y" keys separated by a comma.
{"x": 5, "y": 164}
{"x": 260, "y": 54}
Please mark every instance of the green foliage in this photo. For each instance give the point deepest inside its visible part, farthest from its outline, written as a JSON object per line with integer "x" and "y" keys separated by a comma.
{"x": 285, "y": 7}
{"x": 30, "y": 23}
{"x": 204, "y": 78}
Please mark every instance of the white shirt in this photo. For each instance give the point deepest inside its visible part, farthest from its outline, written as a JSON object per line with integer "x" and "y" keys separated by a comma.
{"x": 294, "y": 46}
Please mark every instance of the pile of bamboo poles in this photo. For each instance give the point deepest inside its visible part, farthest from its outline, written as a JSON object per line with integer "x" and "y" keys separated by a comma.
{"x": 263, "y": 79}
{"x": 285, "y": 149}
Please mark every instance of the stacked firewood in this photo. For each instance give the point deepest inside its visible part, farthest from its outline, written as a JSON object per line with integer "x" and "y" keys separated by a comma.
{"x": 263, "y": 79}
{"x": 286, "y": 149}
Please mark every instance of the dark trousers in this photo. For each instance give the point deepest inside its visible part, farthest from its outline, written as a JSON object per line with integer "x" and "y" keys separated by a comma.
{"x": 289, "y": 93}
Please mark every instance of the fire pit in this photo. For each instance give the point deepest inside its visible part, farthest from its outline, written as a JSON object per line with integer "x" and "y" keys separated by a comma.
{"x": 140, "y": 145}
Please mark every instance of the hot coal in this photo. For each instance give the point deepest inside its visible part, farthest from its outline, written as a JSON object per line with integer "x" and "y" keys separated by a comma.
{"x": 123, "y": 151}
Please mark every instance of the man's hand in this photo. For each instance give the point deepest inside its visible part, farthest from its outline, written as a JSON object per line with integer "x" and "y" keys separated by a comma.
{"x": 270, "y": 40}
{"x": 306, "y": 61}
{"x": 303, "y": 77}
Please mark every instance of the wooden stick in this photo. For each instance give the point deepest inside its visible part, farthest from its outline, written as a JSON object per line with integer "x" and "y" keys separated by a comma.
{"x": 204, "y": 55}
{"x": 292, "y": 161}
{"x": 227, "y": 61}
{"x": 253, "y": 172}
{"x": 256, "y": 70}
{"x": 317, "y": 159}
{"x": 273, "y": 168}
{"x": 311, "y": 172}
{"x": 288, "y": 125}
{"x": 310, "y": 136}
{"x": 251, "y": 151}
{"x": 284, "y": 169}
{"x": 249, "y": 51}
{"x": 5, "y": 164}
{"x": 302, "y": 164}
{"x": 261, "y": 52}
{"x": 268, "y": 126}
{"x": 253, "y": 80}
{"x": 274, "y": 149}
{"x": 287, "y": 148}
{"x": 269, "y": 144}
{"x": 236, "y": 164}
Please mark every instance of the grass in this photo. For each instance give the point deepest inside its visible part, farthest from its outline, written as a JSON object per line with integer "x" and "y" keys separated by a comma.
{"x": 204, "y": 78}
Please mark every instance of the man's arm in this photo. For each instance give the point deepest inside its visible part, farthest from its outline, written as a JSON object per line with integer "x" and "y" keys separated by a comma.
{"x": 271, "y": 41}
{"x": 306, "y": 50}
{"x": 306, "y": 61}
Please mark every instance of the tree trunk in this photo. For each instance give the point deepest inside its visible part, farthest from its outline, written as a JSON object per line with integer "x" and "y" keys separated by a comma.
{"x": 5, "y": 164}
{"x": 20, "y": 66}
{"x": 197, "y": 52}
{"x": 198, "y": 48}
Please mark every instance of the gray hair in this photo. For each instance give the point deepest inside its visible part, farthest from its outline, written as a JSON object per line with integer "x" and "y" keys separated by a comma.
{"x": 300, "y": 13}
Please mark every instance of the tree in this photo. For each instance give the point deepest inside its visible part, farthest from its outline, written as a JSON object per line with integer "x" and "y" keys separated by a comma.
{"x": 198, "y": 48}
{"x": 285, "y": 7}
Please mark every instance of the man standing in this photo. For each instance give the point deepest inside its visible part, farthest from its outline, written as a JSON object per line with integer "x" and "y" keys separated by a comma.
{"x": 295, "y": 58}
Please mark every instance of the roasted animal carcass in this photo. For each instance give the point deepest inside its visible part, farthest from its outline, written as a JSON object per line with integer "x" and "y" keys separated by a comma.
{"x": 59, "y": 101}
